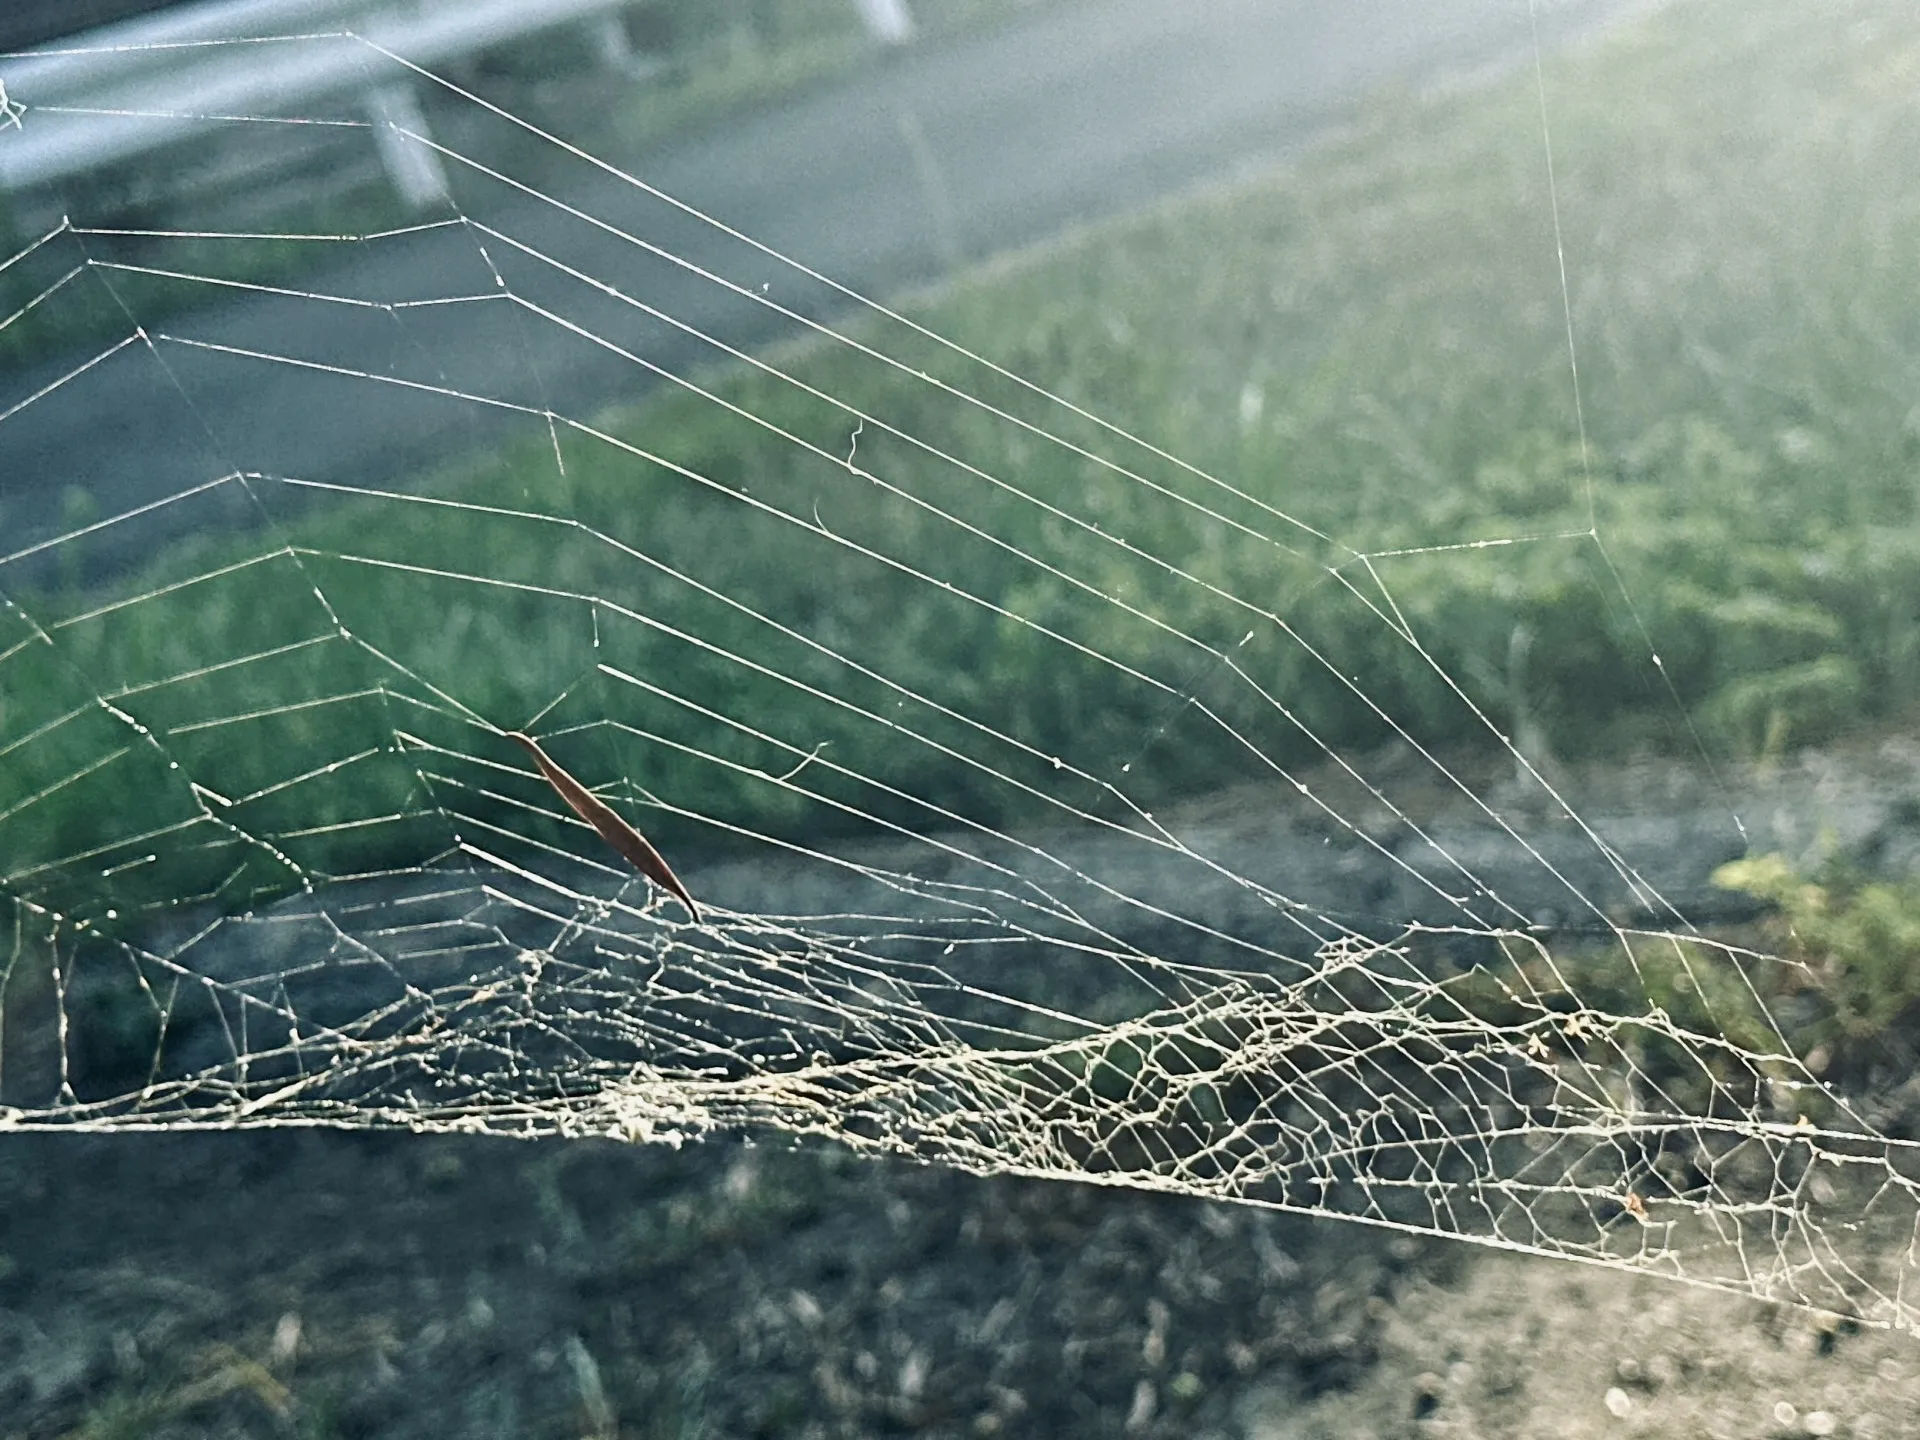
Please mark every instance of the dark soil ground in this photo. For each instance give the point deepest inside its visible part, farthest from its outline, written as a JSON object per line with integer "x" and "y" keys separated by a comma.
{"x": 313, "y": 1283}
{"x": 321, "y": 1284}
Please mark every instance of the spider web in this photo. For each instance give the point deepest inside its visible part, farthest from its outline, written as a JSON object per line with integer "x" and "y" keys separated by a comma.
{"x": 1027, "y": 836}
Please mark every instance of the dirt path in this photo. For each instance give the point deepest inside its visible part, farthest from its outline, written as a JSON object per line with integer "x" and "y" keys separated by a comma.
{"x": 340, "y": 1285}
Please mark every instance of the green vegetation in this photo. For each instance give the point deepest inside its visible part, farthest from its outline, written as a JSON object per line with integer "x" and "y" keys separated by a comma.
{"x": 1856, "y": 941}
{"x": 1370, "y": 348}
{"x": 1826, "y": 982}
{"x": 1699, "y": 1029}
{"x": 100, "y": 302}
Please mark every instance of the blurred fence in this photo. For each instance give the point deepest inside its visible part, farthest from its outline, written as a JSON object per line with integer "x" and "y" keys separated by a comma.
{"x": 128, "y": 94}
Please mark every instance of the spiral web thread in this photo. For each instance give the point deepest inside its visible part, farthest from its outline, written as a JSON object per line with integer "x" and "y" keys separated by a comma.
{"x": 343, "y": 899}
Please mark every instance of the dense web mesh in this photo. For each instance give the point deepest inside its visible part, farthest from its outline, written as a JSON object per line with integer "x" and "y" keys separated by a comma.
{"x": 1057, "y": 800}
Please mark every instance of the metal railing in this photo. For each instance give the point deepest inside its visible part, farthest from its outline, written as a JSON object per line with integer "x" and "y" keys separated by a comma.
{"x": 125, "y": 92}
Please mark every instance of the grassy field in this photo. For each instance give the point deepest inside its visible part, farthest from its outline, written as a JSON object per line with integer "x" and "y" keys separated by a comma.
{"x": 1368, "y": 350}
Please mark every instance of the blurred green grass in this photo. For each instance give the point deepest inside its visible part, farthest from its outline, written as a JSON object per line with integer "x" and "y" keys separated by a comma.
{"x": 1368, "y": 348}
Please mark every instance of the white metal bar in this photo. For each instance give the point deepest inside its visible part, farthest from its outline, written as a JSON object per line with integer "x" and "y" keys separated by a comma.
{"x": 400, "y": 130}
{"x": 140, "y": 90}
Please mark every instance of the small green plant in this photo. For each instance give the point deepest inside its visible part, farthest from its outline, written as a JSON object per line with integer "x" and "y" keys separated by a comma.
{"x": 1696, "y": 1029}
{"x": 1857, "y": 939}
